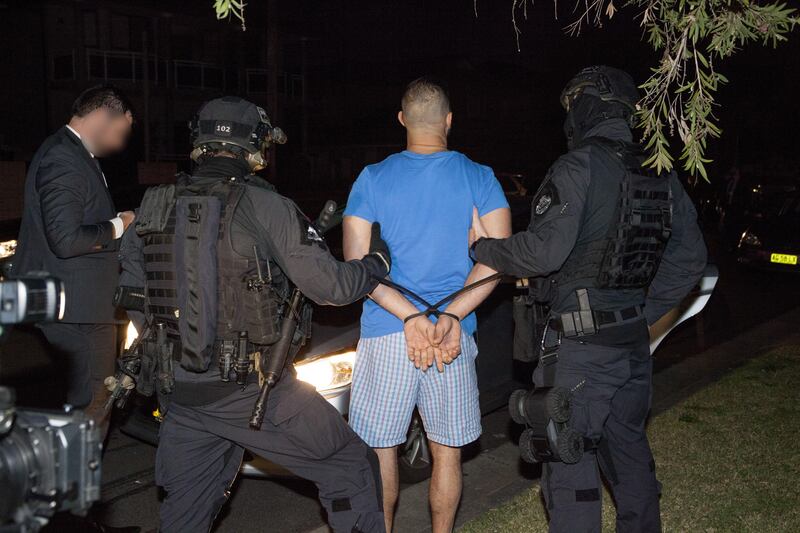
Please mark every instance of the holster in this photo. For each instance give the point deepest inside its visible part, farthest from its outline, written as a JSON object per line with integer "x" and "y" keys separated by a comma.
{"x": 548, "y": 361}
{"x": 581, "y": 322}
{"x": 156, "y": 371}
{"x": 145, "y": 383}
{"x": 530, "y": 320}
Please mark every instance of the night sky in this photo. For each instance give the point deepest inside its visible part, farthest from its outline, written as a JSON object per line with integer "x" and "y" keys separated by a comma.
{"x": 357, "y": 57}
{"x": 379, "y": 43}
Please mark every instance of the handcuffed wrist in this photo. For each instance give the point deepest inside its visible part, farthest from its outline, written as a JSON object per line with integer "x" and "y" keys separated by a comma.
{"x": 429, "y": 312}
{"x": 412, "y": 316}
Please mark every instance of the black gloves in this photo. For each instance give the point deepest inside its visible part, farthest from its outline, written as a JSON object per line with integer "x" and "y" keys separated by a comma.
{"x": 378, "y": 261}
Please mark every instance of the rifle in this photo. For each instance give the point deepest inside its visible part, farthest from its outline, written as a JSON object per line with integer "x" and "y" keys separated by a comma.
{"x": 272, "y": 365}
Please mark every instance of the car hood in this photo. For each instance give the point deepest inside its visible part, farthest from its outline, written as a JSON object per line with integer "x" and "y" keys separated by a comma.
{"x": 333, "y": 330}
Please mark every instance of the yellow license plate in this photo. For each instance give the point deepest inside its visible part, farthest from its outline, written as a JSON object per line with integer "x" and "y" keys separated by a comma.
{"x": 784, "y": 259}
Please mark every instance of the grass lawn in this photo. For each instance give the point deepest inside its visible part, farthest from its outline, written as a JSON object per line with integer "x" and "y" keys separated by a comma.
{"x": 728, "y": 458}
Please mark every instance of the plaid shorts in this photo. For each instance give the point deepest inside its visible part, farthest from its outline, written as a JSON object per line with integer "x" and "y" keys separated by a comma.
{"x": 387, "y": 386}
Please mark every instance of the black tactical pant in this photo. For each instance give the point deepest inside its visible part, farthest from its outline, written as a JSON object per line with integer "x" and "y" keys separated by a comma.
{"x": 611, "y": 401}
{"x": 200, "y": 451}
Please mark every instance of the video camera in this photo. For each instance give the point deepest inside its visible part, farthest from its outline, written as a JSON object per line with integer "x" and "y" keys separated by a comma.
{"x": 49, "y": 460}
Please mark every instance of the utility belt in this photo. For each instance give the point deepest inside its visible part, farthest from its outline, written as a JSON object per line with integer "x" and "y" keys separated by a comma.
{"x": 533, "y": 320}
{"x": 586, "y": 321}
{"x": 574, "y": 325}
{"x": 149, "y": 365}
{"x": 240, "y": 358}
{"x": 236, "y": 360}
{"x": 577, "y": 324}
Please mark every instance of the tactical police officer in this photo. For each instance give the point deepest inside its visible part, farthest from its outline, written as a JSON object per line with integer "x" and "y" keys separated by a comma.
{"x": 219, "y": 255}
{"x": 610, "y": 248}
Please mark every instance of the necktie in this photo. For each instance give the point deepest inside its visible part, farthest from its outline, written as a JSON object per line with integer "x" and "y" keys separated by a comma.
{"x": 97, "y": 164}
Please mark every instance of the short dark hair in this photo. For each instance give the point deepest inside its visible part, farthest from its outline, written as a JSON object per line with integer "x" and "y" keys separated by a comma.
{"x": 425, "y": 98}
{"x": 101, "y": 96}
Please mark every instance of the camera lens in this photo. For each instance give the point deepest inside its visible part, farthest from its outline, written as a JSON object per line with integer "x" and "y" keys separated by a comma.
{"x": 31, "y": 299}
{"x": 17, "y": 466}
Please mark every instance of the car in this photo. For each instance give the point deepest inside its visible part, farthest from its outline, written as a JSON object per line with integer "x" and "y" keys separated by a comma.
{"x": 773, "y": 240}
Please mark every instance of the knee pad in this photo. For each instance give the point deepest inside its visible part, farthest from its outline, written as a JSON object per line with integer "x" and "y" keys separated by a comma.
{"x": 545, "y": 411}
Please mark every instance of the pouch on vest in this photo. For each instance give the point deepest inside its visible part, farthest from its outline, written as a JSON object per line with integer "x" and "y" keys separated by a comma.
{"x": 628, "y": 255}
{"x": 154, "y": 211}
{"x": 639, "y": 235}
{"x": 196, "y": 232}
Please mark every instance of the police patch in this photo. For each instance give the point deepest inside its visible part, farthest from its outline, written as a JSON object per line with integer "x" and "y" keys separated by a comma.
{"x": 545, "y": 200}
{"x": 313, "y": 235}
{"x": 308, "y": 233}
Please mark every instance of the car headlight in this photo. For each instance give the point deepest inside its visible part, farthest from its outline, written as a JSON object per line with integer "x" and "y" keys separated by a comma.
{"x": 7, "y": 248}
{"x": 327, "y": 372}
{"x": 130, "y": 335}
{"x": 324, "y": 373}
{"x": 749, "y": 239}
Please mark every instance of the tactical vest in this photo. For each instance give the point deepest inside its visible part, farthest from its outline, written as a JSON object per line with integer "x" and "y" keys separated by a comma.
{"x": 627, "y": 257}
{"x": 197, "y": 284}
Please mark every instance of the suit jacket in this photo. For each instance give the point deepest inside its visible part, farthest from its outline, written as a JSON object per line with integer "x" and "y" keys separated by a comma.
{"x": 66, "y": 229}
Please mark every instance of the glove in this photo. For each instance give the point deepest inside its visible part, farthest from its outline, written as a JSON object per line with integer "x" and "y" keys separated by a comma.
{"x": 379, "y": 249}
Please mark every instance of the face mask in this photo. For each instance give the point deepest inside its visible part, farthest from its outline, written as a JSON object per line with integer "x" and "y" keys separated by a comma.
{"x": 585, "y": 112}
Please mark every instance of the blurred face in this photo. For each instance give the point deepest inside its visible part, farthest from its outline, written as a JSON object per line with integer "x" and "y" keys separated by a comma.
{"x": 106, "y": 131}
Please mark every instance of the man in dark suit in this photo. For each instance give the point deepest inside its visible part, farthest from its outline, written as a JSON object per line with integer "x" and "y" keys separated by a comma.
{"x": 70, "y": 229}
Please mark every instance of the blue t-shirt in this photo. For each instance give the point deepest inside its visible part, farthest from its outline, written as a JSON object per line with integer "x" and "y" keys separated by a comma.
{"x": 424, "y": 206}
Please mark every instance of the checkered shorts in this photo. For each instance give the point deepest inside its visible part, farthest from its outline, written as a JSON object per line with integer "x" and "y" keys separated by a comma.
{"x": 387, "y": 386}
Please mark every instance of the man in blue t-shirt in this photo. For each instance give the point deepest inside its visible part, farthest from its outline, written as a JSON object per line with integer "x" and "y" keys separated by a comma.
{"x": 424, "y": 199}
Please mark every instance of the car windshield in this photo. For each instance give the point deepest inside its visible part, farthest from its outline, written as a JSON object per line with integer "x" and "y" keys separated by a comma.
{"x": 790, "y": 207}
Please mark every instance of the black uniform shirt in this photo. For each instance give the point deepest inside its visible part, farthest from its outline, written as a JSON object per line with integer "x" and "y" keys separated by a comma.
{"x": 560, "y": 219}
{"x": 284, "y": 235}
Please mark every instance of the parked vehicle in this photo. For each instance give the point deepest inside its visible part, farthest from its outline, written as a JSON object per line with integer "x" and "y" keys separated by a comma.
{"x": 773, "y": 240}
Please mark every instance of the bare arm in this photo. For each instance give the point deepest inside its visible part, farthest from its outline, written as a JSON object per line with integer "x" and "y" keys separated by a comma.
{"x": 496, "y": 224}
{"x": 357, "y": 233}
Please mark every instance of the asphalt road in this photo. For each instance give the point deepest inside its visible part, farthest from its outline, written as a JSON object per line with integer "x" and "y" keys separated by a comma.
{"x": 742, "y": 300}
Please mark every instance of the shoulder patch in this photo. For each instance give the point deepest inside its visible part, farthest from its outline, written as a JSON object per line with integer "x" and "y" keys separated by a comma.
{"x": 547, "y": 198}
{"x": 543, "y": 203}
{"x": 309, "y": 236}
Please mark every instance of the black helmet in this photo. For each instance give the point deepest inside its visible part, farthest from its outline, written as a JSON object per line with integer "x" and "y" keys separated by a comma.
{"x": 609, "y": 84}
{"x": 234, "y": 124}
{"x": 594, "y": 95}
